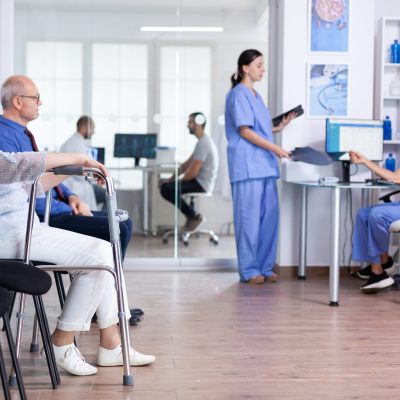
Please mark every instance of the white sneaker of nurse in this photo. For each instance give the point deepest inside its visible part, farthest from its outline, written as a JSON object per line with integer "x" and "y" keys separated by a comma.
{"x": 70, "y": 358}
{"x": 111, "y": 358}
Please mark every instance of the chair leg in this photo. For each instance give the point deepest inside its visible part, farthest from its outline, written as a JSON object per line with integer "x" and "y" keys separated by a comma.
{"x": 20, "y": 322}
{"x": 3, "y": 372}
{"x": 46, "y": 327}
{"x": 11, "y": 307}
{"x": 60, "y": 288}
{"x": 47, "y": 345}
{"x": 17, "y": 369}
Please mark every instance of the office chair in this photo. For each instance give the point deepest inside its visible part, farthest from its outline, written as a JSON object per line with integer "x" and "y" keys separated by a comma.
{"x": 18, "y": 276}
{"x": 185, "y": 235}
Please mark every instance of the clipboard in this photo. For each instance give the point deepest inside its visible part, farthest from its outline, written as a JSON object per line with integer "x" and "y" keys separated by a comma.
{"x": 298, "y": 110}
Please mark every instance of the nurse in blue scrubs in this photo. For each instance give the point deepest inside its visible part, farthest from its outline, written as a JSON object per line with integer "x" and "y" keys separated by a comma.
{"x": 253, "y": 170}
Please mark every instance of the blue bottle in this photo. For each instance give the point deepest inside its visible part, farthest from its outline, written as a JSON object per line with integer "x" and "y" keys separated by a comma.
{"x": 390, "y": 163}
{"x": 395, "y": 52}
{"x": 387, "y": 128}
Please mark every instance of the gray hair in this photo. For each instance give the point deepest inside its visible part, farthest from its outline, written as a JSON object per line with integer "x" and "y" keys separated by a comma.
{"x": 13, "y": 86}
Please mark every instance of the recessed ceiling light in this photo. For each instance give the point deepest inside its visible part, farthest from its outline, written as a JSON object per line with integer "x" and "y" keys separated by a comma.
{"x": 181, "y": 29}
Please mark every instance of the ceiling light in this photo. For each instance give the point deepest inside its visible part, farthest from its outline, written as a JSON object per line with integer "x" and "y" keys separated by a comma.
{"x": 181, "y": 29}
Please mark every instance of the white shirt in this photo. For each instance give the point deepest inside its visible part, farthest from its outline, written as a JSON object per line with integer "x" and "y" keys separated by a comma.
{"x": 77, "y": 184}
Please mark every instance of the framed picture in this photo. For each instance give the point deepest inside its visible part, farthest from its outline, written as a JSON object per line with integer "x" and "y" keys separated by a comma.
{"x": 329, "y": 25}
{"x": 327, "y": 90}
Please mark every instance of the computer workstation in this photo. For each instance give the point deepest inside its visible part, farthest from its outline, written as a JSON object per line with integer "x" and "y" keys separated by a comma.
{"x": 135, "y": 146}
{"x": 342, "y": 136}
{"x": 141, "y": 147}
{"x": 345, "y": 135}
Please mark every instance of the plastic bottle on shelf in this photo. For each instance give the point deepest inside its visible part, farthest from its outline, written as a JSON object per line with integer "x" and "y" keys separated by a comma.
{"x": 390, "y": 163}
{"x": 387, "y": 128}
{"x": 395, "y": 52}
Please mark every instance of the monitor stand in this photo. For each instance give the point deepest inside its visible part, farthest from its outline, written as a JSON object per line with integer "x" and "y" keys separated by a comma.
{"x": 345, "y": 172}
{"x": 136, "y": 159}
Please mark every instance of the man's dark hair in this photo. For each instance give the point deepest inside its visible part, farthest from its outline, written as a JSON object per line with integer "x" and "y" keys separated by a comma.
{"x": 84, "y": 120}
{"x": 195, "y": 114}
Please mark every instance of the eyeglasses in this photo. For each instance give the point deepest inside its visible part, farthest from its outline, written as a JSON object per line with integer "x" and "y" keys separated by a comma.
{"x": 36, "y": 97}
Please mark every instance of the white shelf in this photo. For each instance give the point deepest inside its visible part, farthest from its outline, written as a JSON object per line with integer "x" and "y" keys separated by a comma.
{"x": 386, "y": 72}
{"x": 395, "y": 141}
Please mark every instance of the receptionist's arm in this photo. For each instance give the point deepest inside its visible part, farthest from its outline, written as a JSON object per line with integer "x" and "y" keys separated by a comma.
{"x": 253, "y": 137}
{"x": 285, "y": 121}
{"x": 358, "y": 158}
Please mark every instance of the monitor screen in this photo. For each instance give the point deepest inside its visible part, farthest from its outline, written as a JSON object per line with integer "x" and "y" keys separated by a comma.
{"x": 135, "y": 145}
{"x": 98, "y": 153}
{"x": 363, "y": 136}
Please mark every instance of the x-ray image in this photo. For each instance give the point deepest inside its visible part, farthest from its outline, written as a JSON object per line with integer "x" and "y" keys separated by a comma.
{"x": 327, "y": 90}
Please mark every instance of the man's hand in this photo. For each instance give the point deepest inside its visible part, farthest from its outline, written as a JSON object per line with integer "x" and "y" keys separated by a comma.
{"x": 78, "y": 206}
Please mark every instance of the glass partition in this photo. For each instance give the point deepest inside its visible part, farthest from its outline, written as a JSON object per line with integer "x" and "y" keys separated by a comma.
{"x": 106, "y": 60}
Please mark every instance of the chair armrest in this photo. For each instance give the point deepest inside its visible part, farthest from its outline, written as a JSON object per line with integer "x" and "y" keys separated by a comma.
{"x": 386, "y": 197}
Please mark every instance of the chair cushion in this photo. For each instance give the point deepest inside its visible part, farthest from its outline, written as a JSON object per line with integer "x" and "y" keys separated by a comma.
{"x": 395, "y": 226}
{"x": 19, "y": 277}
{"x": 5, "y": 300}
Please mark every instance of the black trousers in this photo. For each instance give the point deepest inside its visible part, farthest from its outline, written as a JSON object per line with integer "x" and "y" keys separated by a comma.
{"x": 96, "y": 226}
{"x": 192, "y": 186}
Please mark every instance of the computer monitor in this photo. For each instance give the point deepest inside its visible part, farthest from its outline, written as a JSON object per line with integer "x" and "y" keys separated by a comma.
{"x": 363, "y": 136}
{"x": 98, "y": 153}
{"x": 135, "y": 145}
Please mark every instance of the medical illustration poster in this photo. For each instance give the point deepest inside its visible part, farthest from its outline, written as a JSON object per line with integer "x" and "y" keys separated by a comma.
{"x": 329, "y": 25}
{"x": 327, "y": 90}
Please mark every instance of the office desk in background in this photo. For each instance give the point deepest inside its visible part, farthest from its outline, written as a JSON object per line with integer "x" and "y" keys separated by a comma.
{"x": 334, "y": 264}
{"x": 156, "y": 171}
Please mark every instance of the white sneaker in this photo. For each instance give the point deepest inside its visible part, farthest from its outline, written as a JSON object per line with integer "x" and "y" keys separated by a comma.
{"x": 70, "y": 358}
{"x": 111, "y": 358}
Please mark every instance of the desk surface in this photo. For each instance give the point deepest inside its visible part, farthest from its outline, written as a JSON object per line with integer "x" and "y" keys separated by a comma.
{"x": 344, "y": 185}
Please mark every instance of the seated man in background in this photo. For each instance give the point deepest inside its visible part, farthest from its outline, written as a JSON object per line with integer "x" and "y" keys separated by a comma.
{"x": 196, "y": 174}
{"x": 80, "y": 142}
{"x": 68, "y": 211}
{"x": 371, "y": 233}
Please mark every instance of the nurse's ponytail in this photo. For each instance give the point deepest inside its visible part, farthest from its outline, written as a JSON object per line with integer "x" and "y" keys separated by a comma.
{"x": 245, "y": 58}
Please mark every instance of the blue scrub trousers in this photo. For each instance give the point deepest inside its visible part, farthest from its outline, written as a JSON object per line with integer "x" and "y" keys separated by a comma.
{"x": 371, "y": 231}
{"x": 256, "y": 221}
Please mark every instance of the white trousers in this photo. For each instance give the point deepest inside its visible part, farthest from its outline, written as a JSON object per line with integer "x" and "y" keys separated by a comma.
{"x": 90, "y": 292}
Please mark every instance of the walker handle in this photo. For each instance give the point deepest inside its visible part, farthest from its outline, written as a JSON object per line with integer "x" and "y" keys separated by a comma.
{"x": 68, "y": 170}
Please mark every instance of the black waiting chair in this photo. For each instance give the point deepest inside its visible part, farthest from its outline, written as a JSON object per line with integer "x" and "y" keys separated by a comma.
{"x": 16, "y": 276}
{"x": 5, "y": 299}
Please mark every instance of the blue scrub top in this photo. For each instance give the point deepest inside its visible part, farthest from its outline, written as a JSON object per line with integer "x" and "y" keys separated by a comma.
{"x": 245, "y": 159}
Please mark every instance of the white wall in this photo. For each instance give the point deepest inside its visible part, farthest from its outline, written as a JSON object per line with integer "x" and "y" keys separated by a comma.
{"x": 292, "y": 57}
{"x": 6, "y": 39}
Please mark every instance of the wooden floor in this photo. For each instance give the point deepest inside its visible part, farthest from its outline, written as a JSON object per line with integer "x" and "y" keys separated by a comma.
{"x": 215, "y": 339}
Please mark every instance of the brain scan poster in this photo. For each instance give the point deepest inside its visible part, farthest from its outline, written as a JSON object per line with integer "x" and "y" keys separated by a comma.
{"x": 329, "y": 25}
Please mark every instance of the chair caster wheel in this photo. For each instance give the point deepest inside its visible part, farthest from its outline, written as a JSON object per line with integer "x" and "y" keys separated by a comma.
{"x": 214, "y": 240}
{"x": 165, "y": 240}
{"x": 186, "y": 243}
